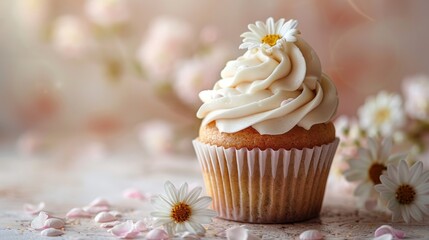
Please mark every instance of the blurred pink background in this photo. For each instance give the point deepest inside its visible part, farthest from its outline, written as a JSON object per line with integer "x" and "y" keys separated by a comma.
{"x": 128, "y": 72}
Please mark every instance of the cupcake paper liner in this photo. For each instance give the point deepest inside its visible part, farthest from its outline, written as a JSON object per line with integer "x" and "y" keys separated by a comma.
{"x": 266, "y": 186}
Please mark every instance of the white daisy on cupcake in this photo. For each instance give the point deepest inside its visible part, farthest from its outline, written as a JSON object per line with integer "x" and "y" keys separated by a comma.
{"x": 406, "y": 191}
{"x": 369, "y": 166}
{"x": 270, "y": 34}
{"x": 180, "y": 211}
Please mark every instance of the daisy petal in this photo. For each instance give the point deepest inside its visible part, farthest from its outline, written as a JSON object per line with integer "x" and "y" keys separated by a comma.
{"x": 171, "y": 191}
{"x": 202, "y": 202}
{"x": 182, "y": 192}
{"x": 193, "y": 195}
{"x": 403, "y": 172}
{"x": 388, "y": 183}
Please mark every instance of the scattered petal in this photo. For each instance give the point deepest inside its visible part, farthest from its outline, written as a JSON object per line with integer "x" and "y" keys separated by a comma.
{"x": 116, "y": 213}
{"x": 386, "y": 229}
{"x": 95, "y": 209}
{"x": 103, "y": 217}
{"x": 78, "y": 213}
{"x": 141, "y": 226}
{"x": 51, "y": 232}
{"x": 54, "y": 223}
{"x": 109, "y": 224}
{"x": 38, "y": 222}
{"x": 239, "y": 233}
{"x": 124, "y": 230}
{"x": 384, "y": 237}
{"x": 133, "y": 193}
{"x": 33, "y": 209}
{"x": 311, "y": 235}
{"x": 157, "y": 234}
{"x": 99, "y": 202}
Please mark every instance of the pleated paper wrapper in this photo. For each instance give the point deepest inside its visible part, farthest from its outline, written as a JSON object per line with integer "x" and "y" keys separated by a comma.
{"x": 266, "y": 186}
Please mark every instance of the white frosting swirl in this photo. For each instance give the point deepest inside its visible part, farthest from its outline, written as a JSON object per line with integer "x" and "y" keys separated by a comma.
{"x": 271, "y": 91}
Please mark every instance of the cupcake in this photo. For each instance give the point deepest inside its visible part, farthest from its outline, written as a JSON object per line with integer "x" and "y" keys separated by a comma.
{"x": 266, "y": 141}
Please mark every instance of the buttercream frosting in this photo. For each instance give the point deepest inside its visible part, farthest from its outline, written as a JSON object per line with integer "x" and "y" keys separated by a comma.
{"x": 272, "y": 90}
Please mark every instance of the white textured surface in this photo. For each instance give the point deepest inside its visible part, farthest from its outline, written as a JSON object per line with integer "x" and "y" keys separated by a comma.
{"x": 64, "y": 184}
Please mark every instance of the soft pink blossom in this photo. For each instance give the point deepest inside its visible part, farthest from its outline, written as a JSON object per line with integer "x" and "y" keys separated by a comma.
{"x": 70, "y": 36}
{"x": 33, "y": 14}
{"x": 107, "y": 13}
{"x": 157, "y": 137}
{"x": 167, "y": 41}
{"x": 416, "y": 93}
{"x": 199, "y": 73}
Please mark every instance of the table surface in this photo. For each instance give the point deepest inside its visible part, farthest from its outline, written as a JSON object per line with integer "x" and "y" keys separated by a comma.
{"x": 67, "y": 180}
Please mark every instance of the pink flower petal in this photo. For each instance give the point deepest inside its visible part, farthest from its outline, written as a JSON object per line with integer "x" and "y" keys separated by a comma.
{"x": 141, "y": 226}
{"x": 386, "y": 229}
{"x": 239, "y": 233}
{"x": 116, "y": 213}
{"x": 124, "y": 230}
{"x": 99, "y": 202}
{"x": 109, "y": 224}
{"x": 51, "y": 232}
{"x": 33, "y": 209}
{"x": 133, "y": 193}
{"x": 103, "y": 217}
{"x": 157, "y": 234}
{"x": 78, "y": 213}
{"x": 311, "y": 235}
{"x": 38, "y": 222}
{"x": 54, "y": 223}
{"x": 386, "y": 236}
{"x": 95, "y": 209}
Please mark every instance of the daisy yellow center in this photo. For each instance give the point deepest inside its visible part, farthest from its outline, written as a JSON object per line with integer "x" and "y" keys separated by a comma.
{"x": 375, "y": 172}
{"x": 382, "y": 115}
{"x": 181, "y": 212}
{"x": 271, "y": 39}
{"x": 405, "y": 194}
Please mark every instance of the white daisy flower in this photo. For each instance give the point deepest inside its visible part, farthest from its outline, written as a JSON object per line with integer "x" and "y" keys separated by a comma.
{"x": 270, "y": 34}
{"x": 382, "y": 114}
{"x": 369, "y": 166}
{"x": 180, "y": 211}
{"x": 406, "y": 191}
